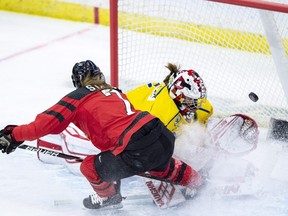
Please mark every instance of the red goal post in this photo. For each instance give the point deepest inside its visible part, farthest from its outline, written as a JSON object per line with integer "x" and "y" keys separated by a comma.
{"x": 237, "y": 46}
{"x": 265, "y": 5}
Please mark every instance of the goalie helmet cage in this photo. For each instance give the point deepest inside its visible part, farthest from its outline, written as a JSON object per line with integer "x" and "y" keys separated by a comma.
{"x": 237, "y": 47}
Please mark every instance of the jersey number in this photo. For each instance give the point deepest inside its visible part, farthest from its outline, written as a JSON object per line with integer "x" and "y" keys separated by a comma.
{"x": 127, "y": 104}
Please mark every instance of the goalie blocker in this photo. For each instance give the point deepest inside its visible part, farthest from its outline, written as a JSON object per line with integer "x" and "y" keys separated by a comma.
{"x": 278, "y": 130}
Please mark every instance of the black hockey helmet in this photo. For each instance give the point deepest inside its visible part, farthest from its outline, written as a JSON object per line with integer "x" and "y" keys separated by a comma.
{"x": 83, "y": 69}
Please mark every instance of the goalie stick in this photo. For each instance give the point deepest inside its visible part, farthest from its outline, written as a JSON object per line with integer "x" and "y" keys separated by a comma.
{"x": 128, "y": 199}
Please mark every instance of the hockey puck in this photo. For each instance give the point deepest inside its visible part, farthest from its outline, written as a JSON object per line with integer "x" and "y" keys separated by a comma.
{"x": 253, "y": 97}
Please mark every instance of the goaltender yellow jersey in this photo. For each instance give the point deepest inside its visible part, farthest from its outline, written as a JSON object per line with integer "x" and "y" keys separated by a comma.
{"x": 154, "y": 98}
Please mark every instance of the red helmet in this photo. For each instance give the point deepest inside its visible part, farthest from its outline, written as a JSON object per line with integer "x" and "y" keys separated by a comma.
{"x": 187, "y": 89}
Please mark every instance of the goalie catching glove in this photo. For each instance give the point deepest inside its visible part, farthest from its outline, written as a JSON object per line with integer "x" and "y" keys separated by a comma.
{"x": 7, "y": 143}
{"x": 236, "y": 134}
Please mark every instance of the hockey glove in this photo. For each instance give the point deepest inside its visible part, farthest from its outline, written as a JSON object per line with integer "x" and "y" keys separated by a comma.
{"x": 7, "y": 143}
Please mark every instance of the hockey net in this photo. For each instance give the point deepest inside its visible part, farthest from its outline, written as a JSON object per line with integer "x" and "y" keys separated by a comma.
{"x": 226, "y": 44}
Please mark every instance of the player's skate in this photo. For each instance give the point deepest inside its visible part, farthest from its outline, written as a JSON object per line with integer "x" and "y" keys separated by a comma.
{"x": 96, "y": 202}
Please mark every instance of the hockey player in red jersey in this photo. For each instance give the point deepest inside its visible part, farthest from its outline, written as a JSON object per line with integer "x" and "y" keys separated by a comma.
{"x": 131, "y": 141}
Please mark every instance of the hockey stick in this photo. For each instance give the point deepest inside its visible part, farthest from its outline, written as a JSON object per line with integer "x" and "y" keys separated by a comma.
{"x": 157, "y": 196}
{"x": 51, "y": 153}
{"x": 72, "y": 157}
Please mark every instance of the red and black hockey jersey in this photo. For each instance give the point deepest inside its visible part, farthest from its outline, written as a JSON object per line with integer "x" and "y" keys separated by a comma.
{"x": 106, "y": 117}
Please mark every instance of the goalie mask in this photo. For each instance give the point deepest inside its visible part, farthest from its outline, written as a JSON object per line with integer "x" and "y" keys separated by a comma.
{"x": 83, "y": 69}
{"x": 188, "y": 91}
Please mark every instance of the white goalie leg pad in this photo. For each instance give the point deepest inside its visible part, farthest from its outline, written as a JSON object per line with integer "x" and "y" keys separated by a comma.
{"x": 234, "y": 177}
{"x": 71, "y": 141}
{"x": 164, "y": 194}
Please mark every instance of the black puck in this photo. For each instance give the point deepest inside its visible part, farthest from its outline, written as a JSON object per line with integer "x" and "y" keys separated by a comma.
{"x": 253, "y": 97}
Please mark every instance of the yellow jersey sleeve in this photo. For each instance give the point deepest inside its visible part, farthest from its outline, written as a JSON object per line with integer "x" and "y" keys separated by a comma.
{"x": 155, "y": 99}
{"x": 203, "y": 114}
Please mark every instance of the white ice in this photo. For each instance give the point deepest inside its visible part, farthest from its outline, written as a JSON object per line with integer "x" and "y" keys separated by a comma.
{"x": 36, "y": 58}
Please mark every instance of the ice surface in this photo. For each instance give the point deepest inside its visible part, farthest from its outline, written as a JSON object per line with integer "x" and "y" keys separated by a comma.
{"x": 36, "y": 58}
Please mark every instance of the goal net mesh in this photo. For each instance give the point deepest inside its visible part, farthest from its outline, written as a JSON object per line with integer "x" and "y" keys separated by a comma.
{"x": 226, "y": 44}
